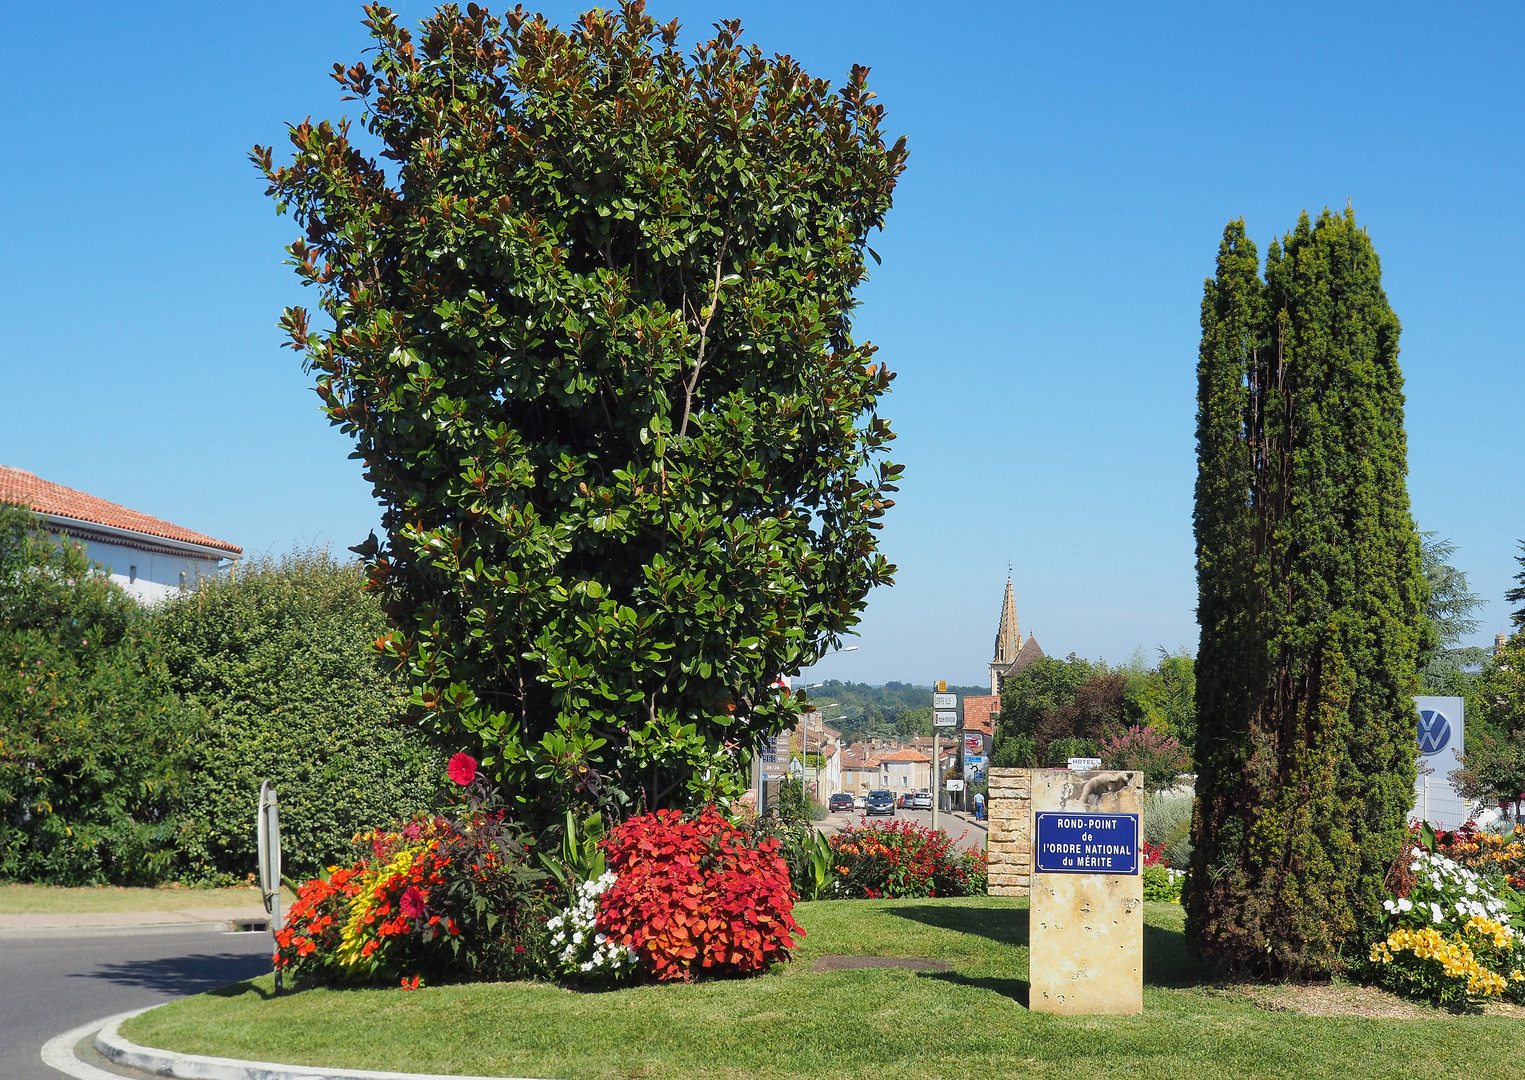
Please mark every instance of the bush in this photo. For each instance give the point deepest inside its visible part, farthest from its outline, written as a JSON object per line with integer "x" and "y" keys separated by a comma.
{"x": 92, "y": 737}
{"x": 1160, "y": 757}
{"x": 1449, "y": 936}
{"x": 1061, "y": 750}
{"x": 280, "y": 660}
{"x": 697, "y": 896}
{"x": 901, "y": 859}
{"x": 1015, "y": 751}
{"x": 1162, "y": 883}
{"x": 436, "y": 898}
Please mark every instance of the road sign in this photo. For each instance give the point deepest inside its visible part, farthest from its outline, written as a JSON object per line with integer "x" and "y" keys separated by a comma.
{"x": 945, "y": 719}
{"x": 942, "y": 684}
{"x": 944, "y": 701}
{"x": 1070, "y": 843}
{"x": 955, "y": 785}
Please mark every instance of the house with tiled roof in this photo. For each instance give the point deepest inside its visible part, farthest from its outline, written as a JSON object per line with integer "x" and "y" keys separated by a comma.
{"x": 905, "y": 770}
{"x": 148, "y": 557}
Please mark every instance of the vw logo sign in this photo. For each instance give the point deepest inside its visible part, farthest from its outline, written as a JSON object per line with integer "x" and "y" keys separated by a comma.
{"x": 1434, "y": 731}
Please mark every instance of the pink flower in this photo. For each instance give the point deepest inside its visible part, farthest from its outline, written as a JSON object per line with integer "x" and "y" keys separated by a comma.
{"x": 412, "y": 903}
{"x": 411, "y": 831}
{"x": 462, "y": 769}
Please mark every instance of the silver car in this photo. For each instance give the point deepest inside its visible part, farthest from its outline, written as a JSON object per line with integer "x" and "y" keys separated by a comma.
{"x": 920, "y": 800}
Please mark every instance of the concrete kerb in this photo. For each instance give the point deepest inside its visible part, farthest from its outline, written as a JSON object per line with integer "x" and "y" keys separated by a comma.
{"x": 109, "y": 1042}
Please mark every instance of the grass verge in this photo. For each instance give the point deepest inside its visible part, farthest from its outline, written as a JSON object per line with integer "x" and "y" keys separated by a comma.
{"x": 871, "y": 1024}
{"x": 57, "y": 900}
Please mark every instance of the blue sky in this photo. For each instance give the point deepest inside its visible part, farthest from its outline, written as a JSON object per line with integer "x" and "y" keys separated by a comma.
{"x": 1072, "y": 167}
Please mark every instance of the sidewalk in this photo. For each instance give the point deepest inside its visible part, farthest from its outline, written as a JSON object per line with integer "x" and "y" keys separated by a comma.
{"x": 85, "y": 924}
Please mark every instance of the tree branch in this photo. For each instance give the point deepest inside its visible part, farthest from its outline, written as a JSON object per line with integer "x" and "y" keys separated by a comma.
{"x": 704, "y": 331}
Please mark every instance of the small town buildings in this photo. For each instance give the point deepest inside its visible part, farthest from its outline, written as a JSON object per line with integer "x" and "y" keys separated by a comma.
{"x": 905, "y": 770}
{"x": 147, "y": 557}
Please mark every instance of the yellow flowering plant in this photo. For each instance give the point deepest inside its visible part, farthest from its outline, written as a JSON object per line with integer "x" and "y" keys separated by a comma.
{"x": 1450, "y": 936}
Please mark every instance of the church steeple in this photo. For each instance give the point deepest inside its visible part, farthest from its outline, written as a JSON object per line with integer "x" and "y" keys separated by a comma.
{"x": 1008, "y": 638}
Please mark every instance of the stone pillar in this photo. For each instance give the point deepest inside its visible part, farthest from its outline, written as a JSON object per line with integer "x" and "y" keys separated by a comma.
{"x": 1087, "y": 925}
{"x": 1009, "y": 818}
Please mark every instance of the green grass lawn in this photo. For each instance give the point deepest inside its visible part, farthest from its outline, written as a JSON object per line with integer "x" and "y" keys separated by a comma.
{"x": 56, "y": 900}
{"x": 871, "y": 1024}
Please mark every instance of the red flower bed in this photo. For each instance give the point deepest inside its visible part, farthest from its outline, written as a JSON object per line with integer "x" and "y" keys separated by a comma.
{"x": 901, "y": 859}
{"x": 697, "y": 896}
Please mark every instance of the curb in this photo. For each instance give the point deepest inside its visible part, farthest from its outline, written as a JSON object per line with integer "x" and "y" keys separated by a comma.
{"x": 125, "y": 930}
{"x": 59, "y": 1053}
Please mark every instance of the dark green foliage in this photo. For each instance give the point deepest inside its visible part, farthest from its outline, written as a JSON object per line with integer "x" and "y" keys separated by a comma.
{"x": 1516, "y": 595}
{"x": 594, "y": 344}
{"x": 1057, "y": 754}
{"x": 1015, "y": 751}
{"x": 1449, "y": 610}
{"x": 1165, "y": 698}
{"x": 92, "y": 738}
{"x": 1041, "y": 688}
{"x": 1311, "y": 602}
{"x": 1493, "y": 768}
{"x": 280, "y": 660}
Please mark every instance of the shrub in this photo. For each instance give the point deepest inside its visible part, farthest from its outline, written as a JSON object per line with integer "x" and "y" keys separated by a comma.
{"x": 93, "y": 738}
{"x": 901, "y": 859}
{"x": 1162, "y": 883}
{"x": 1015, "y": 751}
{"x": 280, "y": 660}
{"x": 1448, "y": 936}
{"x": 1061, "y": 750}
{"x": 581, "y": 950}
{"x": 697, "y": 896}
{"x": 1160, "y": 757}
{"x": 435, "y": 898}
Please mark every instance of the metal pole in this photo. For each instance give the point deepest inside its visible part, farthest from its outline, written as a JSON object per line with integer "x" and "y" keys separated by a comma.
{"x": 937, "y": 780}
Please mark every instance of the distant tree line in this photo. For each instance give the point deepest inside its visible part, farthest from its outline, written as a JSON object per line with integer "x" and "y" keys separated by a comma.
{"x": 895, "y": 710}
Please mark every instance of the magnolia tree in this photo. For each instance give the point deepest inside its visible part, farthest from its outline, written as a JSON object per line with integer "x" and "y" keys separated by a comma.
{"x": 588, "y": 322}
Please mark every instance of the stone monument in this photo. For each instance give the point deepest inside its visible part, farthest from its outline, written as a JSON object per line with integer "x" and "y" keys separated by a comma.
{"x": 1087, "y": 914}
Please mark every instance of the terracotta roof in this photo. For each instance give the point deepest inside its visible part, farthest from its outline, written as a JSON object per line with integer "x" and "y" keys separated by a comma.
{"x": 46, "y": 497}
{"x": 905, "y": 755}
{"x": 980, "y": 713}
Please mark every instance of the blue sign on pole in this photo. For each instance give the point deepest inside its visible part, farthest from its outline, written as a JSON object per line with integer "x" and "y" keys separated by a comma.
{"x": 1087, "y": 843}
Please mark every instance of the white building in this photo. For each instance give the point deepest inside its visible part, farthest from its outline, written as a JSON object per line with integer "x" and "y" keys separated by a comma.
{"x": 149, "y": 558}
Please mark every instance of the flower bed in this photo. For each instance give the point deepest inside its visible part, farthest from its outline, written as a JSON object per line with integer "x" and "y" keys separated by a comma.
{"x": 1450, "y": 935}
{"x": 435, "y": 897}
{"x": 901, "y": 859}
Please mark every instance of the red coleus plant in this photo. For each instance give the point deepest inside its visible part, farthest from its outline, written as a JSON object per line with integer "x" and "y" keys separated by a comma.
{"x": 697, "y": 896}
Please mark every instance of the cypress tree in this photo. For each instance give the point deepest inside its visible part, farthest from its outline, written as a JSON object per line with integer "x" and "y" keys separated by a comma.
{"x": 1311, "y": 600}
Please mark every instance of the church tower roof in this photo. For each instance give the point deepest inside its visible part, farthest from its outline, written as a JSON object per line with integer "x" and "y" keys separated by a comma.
{"x": 1008, "y": 637}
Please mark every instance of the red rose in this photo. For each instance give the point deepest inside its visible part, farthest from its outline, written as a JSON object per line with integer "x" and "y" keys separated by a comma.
{"x": 462, "y": 769}
{"x": 412, "y": 903}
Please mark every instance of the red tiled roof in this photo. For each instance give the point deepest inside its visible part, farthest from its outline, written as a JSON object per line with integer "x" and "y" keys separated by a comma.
{"x": 905, "y": 755}
{"x": 46, "y": 497}
{"x": 980, "y": 713}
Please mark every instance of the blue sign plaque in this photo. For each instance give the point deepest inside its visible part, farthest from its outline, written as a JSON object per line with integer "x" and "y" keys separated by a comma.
{"x": 1087, "y": 843}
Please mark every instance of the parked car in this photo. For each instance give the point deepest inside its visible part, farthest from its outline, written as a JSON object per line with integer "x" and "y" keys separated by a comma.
{"x": 920, "y": 800}
{"x": 860, "y": 802}
{"x": 839, "y": 802}
{"x": 881, "y": 802}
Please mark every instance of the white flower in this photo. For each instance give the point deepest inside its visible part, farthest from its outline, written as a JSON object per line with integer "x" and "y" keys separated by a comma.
{"x": 1389, "y": 906}
{"x": 1436, "y": 915}
{"x": 1405, "y": 904}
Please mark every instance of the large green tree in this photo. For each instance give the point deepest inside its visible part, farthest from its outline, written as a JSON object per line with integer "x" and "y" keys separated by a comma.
{"x": 1449, "y": 609}
{"x": 590, "y": 328}
{"x": 1311, "y": 601}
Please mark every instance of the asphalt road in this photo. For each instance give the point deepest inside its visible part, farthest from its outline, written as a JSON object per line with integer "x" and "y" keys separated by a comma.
{"x": 49, "y": 985}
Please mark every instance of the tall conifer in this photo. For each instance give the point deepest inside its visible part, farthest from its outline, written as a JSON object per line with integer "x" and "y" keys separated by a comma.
{"x": 1311, "y": 601}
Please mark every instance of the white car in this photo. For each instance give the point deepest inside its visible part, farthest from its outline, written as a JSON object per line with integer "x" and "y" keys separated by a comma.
{"x": 920, "y": 800}
{"x": 860, "y": 802}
